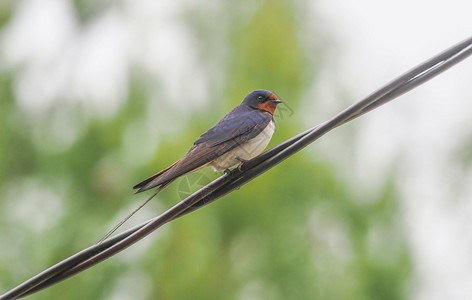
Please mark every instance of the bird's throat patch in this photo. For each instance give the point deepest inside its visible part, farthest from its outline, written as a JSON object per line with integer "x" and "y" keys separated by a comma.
{"x": 268, "y": 106}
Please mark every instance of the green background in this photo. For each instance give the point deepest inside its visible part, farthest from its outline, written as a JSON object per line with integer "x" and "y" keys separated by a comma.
{"x": 299, "y": 231}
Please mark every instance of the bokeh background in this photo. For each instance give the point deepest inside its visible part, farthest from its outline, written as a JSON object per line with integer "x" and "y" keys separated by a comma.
{"x": 97, "y": 95}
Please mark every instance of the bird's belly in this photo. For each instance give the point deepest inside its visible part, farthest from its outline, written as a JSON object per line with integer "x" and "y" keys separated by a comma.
{"x": 245, "y": 151}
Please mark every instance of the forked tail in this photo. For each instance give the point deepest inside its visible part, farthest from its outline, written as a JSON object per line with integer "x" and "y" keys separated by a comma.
{"x": 154, "y": 181}
{"x": 163, "y": 186}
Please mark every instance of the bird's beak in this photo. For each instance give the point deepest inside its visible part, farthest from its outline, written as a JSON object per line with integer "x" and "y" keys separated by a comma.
{"x": 276, "y": 101}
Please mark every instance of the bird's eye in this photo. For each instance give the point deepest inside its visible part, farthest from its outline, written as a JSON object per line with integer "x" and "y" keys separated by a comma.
{"x": 260, "y": 97}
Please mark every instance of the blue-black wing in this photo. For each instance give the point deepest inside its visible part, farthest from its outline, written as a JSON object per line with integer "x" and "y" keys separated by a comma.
{"x": 236, "y": 128}
{"x": 239, "y": 125}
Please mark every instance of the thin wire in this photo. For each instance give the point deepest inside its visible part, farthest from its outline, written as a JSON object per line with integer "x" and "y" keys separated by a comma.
{"x": 236, "y": 178}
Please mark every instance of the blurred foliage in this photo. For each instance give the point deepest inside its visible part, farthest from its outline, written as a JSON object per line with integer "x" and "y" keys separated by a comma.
{"x": 297, "y": 232}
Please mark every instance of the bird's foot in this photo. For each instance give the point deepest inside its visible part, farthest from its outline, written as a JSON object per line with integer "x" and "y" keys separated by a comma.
{"x": 227, "y": 171}
{"x": 241, "y": 162}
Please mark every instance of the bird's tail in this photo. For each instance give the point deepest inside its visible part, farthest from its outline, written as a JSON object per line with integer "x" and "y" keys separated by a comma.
{"x": 163, "y": 186}
{"x": 161, "y": 179}
{"x": 154, "y": 180}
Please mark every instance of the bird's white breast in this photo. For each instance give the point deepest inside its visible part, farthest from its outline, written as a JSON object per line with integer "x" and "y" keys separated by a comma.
{"x": 246, "y": 151}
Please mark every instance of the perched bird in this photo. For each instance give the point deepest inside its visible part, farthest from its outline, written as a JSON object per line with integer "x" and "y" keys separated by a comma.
{"x": 240, "y": 135}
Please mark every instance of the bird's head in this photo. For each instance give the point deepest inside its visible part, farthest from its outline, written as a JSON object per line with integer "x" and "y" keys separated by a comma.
{"x": 262, "y": 100}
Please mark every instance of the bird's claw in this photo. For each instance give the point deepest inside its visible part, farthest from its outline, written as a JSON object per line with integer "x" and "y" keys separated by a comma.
{"x": 241, "y": 162}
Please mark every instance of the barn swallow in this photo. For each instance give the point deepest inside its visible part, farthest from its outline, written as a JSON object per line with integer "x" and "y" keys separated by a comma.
{"x": 240, "y": 135}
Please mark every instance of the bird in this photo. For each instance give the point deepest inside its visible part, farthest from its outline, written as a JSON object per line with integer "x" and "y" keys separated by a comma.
{"x": 239, "y": 136}
{"x": 242, "y": 134}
